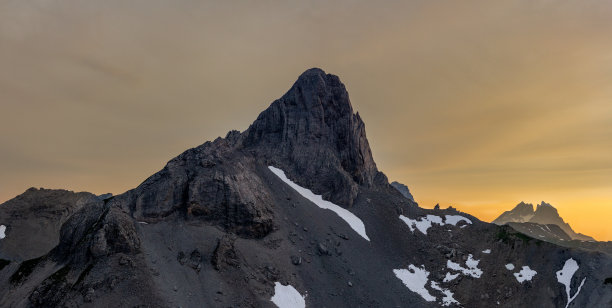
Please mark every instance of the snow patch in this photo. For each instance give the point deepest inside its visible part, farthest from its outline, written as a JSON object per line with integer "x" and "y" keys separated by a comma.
{"x": 455, "y": 219}
{"x": 487, "y": 251}
{"x": 415, "y": 279}
{"x": 424, "y": 223}
{"x": 287, "y": 297}
{"x": 471, "y": 270}
{"x": 2, "y": 231}
{"x": 525, "y": 274}
{"x": 448, "y": 298}
{"x": 564, "y": 276}
{"x": 510, "y": 266}
{"x": 450, "y": 277}
{"x": 353, "y": 221}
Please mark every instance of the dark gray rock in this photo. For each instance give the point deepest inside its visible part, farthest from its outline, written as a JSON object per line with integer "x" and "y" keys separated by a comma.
{"x": 403, "y": 189}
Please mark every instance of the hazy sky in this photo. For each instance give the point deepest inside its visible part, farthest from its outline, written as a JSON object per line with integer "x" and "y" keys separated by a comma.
{"x": 475, "y": 104}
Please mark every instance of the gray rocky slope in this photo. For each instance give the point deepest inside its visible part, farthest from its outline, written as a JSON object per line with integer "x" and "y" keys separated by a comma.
{"x": 216, "y": 227}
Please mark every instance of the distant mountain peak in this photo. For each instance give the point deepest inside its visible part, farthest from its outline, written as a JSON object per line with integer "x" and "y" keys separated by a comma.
{"x": 544, "y": 204}
{"x": 544, "y": 214}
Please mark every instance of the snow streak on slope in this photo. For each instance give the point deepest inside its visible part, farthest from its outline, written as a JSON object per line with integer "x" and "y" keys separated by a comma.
{"x": 349, "y": 217}
{"x": 415, "y": 279}
{"x": 426, "y": 222}
{"x": 564, "y": 276}
{"x": 287, "y": 297}
{"x": 2, "y": 230}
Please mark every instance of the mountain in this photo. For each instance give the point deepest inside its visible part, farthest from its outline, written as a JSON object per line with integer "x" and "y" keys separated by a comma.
{"x": 403, "y": 189}
{"x": 523, "y": 212}
{"x": 292, "y": 212}
{"x": 545, "y": 214}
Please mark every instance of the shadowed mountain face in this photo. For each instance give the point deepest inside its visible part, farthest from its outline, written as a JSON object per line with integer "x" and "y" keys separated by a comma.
{"x": 545, "y": 214}
{"x": 403, "y": 189}
{"x": 291, "y": 210}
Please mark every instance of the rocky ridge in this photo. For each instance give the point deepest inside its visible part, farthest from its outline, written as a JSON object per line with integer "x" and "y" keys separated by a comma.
{"x": 217, "y": 228}
{"x": 545, "y": 214}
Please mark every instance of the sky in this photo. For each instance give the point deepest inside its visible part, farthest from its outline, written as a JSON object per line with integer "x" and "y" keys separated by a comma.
{"x": 474, "y": 104}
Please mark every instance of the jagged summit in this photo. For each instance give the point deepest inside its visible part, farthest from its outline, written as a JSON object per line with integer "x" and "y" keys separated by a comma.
{"x": 544, "y": 204}
{"x": 522, "y": 212}
{"x": 315, "y": 119}
{"x": 544, "y": 214}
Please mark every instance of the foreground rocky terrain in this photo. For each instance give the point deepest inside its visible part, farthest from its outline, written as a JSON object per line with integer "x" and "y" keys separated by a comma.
{"x": 292, "y": 212}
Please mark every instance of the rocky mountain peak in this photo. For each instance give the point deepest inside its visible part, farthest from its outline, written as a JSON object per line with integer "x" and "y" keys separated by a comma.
{"x": 547, "y": 212}
{"x": 545, "y": 205}
{"x": 313, "y": 131}
{"x": 544, "y": 214}
{"x": 524, "y": 207}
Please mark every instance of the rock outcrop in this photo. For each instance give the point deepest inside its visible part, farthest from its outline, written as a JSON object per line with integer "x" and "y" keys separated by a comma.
{"x": 403, "y": 189}
{"x": 33, "y": 220}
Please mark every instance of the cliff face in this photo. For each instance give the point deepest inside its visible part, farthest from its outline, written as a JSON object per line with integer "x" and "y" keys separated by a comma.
{"x": 313, "y": 132}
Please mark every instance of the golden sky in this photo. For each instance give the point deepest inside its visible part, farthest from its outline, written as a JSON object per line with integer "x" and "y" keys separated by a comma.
{"x": 475, "y": 104}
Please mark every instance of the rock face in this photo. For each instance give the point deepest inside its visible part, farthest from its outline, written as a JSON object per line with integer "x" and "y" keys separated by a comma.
{"x": 34, "y": 219}
{"x": 545, "y": 214}
{"x": 217, "y": 228}
{"x": 313, "y": 126}
{"x": 403, "y": 189}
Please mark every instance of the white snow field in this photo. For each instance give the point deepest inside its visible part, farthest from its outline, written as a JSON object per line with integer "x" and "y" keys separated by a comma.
{"x": 415, "y": 279}
{"x": 424, "y": 223}
{"x": 287, "y": 297}
{"x": 455, "y": 219}
{"x": 353, "y": 221}
{"x": 564, "y": 276}
{"x": 487, "y": 251}
{"x": 510, "y": 266}
{"x": 450, "y": 277}
{"x": 471, "y": 270}
{"x": 2, "y": 230}
{"x": 526, "y": 274}
{"x": 448, "y": 298}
